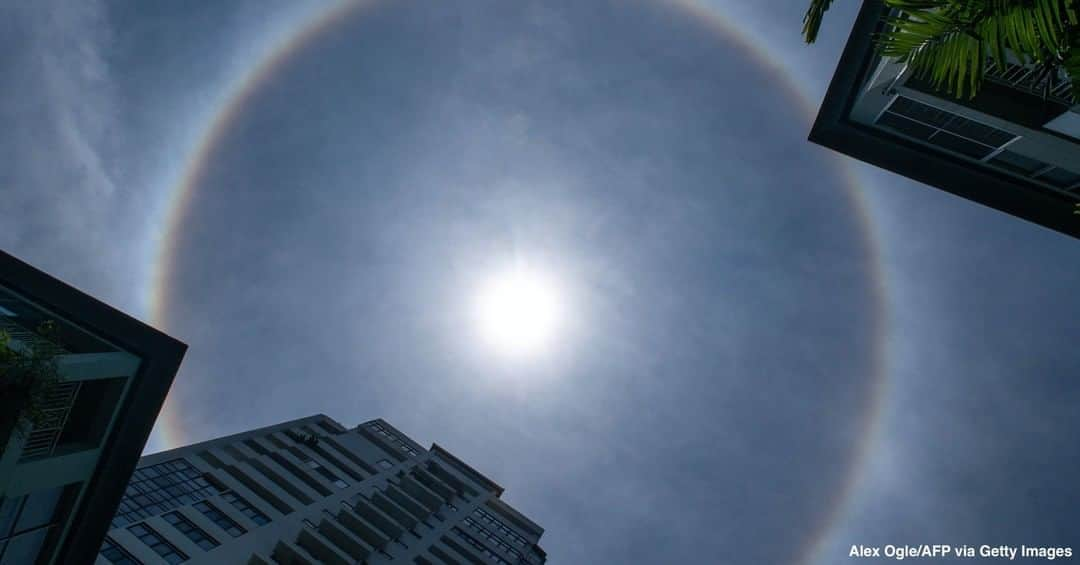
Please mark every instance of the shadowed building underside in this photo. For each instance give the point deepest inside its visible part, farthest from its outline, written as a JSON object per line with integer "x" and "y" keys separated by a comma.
{"x": 1009, "y": 147}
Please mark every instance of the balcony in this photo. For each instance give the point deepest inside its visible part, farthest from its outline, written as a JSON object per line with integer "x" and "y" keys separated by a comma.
{"x": 29, "y": 338}
{"x": 43, "y": 438}
{"x": 1026, "y": 79}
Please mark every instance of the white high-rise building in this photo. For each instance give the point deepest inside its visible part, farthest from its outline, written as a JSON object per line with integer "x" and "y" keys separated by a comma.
{"x": 311, "y": 491}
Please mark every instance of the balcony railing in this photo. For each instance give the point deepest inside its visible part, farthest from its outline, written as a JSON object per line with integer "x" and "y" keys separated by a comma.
{"x": 42, "y": 439}
{"x": 28, "y": 337}
{"x": 58, "y": 400}
{"x": 1028, "y": 79}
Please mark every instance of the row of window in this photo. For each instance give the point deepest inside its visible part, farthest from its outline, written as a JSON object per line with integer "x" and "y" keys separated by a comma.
{"x": 490, "y": 520}
{"x": 394, "y": 439}
{"x": 1036, "y": 169}
{"x": 219, "y": 518}
{"x": 158, "y": 544}
{"x": 493, "y": 538}
{"x": 958, "y": 134}
{"x": 479, "y": 547}
{"x": 158, "y": 488}
{"x": 245, "y": 507}
{"x": 30, "y": 511}
{"x": 115, "y": 554}
{"x": 191, "y": 531}
{"x": 318, "y": 468}
{"x": 944, "y": 129}
{"x": 155, "y": 541}
{"x": 326, "y": 473}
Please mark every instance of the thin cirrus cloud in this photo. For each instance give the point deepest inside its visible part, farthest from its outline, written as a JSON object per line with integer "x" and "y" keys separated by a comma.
{"x": 61, "y": 158}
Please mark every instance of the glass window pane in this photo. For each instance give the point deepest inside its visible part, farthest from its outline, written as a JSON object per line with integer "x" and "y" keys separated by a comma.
{"x": 39, "y": 508}
{"x": 9, "y": 508}
{"x": 919, "y": 111}
{"x": 960, "y": 145}
{"x": 978, "y": 132}
{"x": 1017, "y": 163}
{"x": 1060, "y": 178}
{"x": 23, "y": 549}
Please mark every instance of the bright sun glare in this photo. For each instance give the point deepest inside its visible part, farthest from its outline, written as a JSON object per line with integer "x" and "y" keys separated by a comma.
{"x": 519, "y": 311}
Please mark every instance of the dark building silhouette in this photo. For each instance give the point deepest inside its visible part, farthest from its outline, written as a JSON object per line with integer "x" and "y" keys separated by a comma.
{"x": 1007, "y": 148}
{"x": 62, "y": 478}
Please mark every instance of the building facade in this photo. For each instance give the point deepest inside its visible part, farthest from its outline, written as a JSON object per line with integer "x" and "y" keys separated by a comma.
{"x": 311, "y": 491}
{"x": 1010, "y": 147}
{"x": 61, "y": 479}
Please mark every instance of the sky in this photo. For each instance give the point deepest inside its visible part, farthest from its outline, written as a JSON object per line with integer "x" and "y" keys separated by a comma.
{"x": 769, "y": 352}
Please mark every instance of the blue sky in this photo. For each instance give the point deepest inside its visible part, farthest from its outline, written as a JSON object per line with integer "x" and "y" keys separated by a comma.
{"x": 711, "y": 398}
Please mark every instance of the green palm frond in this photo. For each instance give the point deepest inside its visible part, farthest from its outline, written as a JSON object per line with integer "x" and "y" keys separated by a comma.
{"x": 812, "y": 19}
{"x": 1072, "y": 14}
{"x": 936, "y": 47}
{"x": 949, "y": 41}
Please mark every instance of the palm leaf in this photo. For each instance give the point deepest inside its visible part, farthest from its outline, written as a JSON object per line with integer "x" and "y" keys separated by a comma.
{"x": 1071, "y": 12}
{"x": 812, "y": 19}
{"x": 948, "y": 41}
{"x": 936, "y": 47}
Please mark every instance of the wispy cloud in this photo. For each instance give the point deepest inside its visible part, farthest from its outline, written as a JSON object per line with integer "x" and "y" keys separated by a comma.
{"x": 61, "y": 157}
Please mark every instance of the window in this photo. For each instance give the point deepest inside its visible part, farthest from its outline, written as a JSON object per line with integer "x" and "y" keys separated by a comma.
{"x": 479, "y": 547}
{"x": 942, "y": 128}
{"x": 193, "y": 532}
{"x": 1018, "y": 163}
{"x": 908, "y": 127}
{"x": 28, "y": 547}
{"x": 1061, "y": 178}
{"x": 1038, "y": 170}
{"x": 394, "y": 439}
{"x": 310, "y": 524}
{"x": 960, "y": 145}
{"x": 156, "y": 542}
{"x": 27, "y": 522}
{"x": 115, "y": 554}
{"x": 245, "y": 507}
{"x": 301, "y": 474}
{"x": 218, "y": 517}
{"x": 326, "y": 473}
{"x": 493, "y": 538}
{"x": 490, "y": 521}
{"x": 385, "y": 463}
{"x": 160, "y": 488}
{"x": 39, "y": 509}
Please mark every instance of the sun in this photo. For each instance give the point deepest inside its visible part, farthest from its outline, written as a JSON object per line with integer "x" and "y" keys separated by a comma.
{"x": 519, "y": 311}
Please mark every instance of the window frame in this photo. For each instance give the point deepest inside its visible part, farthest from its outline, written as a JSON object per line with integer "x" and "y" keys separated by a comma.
{"x": 193, "y": 532}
